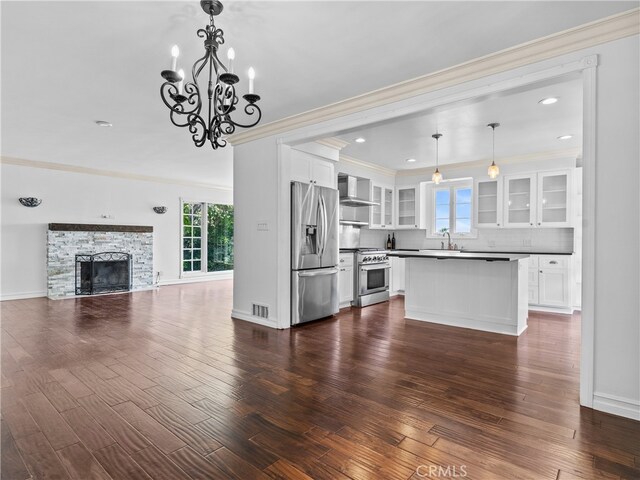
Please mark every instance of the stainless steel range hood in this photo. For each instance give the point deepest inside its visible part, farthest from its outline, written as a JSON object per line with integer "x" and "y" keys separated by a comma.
{"x": 348, "y": 188}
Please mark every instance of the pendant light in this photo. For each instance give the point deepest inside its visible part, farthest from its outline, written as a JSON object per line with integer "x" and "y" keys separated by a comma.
{"x": 493, "y": 170}
{"x": 437, "y": 176}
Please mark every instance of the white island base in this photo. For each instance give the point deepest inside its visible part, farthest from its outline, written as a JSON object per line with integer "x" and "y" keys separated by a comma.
{"x": 482, "y": 295}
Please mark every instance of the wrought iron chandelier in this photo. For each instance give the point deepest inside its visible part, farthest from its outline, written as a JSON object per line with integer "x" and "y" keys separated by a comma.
{"x": 185, "y": 101}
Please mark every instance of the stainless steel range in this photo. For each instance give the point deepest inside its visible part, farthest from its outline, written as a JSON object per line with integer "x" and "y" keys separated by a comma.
{"x": 372, "y": 279}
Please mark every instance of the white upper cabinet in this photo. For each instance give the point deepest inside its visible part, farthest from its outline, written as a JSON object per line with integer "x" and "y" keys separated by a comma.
{"x": 309, "y": 168}
{"x": 382, "y": 214}
{"x": 520, "y": 200}
{"x": 531, "y": 200}
{"x": 408, "y": 207}
{"x": 488, "y": 202}
{"x": 553, "y": 199}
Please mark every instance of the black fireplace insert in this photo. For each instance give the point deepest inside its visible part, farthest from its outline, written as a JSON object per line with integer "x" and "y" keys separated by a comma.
{"x": 103, "y": 273}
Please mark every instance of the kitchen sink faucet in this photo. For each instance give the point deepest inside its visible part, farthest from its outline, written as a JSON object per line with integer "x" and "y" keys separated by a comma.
{"x": 449, "y": 244}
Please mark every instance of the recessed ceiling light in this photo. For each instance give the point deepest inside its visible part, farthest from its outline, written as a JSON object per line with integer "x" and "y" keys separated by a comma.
{"x": 360, "y": 140}
{"x": 103, "y": 123}
{"x": 548, "y": 101}
{"x": 565, "y": 137}
{"x": 411, "y": 160}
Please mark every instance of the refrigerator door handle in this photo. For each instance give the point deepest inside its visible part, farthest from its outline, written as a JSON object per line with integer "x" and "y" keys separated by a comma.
{"x": 320, "y": 227}
{"x": 318, "y": 273}
{"x": 325, "y": 220}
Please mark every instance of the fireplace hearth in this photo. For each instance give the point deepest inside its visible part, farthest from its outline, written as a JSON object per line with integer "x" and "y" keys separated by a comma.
{"x": 104, "y": 272}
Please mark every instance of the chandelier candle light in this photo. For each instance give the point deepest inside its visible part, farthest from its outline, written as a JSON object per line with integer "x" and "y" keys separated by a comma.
{"x": 437, "y": 176}
{"x": 493, "y": 170}
{"x": 185, "y": 101}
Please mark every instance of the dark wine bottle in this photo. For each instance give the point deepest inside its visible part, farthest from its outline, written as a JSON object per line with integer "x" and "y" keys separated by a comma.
{"x": 393, "y": 241}
{"x": 389, "y": 242}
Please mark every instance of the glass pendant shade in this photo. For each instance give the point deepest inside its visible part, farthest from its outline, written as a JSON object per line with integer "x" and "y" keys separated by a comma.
{"x": 493, "y": 170}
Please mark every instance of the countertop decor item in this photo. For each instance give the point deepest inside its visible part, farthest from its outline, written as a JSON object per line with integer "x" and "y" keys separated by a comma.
{"x": 160, "y": 210}
{"x": 186, "y": 101}
{"x": 493, "y": 170}
{"x": 30, "y": 201}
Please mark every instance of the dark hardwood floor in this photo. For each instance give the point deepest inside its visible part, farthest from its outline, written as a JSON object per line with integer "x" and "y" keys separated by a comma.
{"x": 165, "y": 385}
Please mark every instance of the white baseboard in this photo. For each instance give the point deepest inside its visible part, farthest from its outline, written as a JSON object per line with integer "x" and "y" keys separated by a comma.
{"x": 22, "y": 295}
{"x": 623, "y": 407}
{"x": 203, "y": 278}
{"x": 562, "y": 310}
{"x": 463, "y": 322}
{"x": 266, "y": 322}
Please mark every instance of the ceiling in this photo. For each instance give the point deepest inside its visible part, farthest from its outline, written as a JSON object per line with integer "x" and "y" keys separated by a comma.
{"x": 67, "y": 64}
{"x": 526, "y": 128}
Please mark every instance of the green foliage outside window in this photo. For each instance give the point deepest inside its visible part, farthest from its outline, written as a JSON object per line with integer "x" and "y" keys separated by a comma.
{"x": 219, "y": 237}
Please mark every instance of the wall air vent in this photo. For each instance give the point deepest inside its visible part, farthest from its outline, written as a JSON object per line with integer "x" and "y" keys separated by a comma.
{"x": 260, "y": 311}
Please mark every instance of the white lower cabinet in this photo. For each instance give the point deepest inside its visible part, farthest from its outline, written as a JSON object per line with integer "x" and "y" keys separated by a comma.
{"x": 550, "y": 281}
{"x": 397, "y": 276}
{"x": 345, "y": 279}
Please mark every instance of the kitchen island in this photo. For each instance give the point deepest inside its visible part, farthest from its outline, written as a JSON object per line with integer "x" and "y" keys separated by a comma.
{"x": 482, "y": 291}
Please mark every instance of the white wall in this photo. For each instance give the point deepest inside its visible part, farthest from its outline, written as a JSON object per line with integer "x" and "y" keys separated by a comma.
{"x": 255, "y": 173}
{"x": 69, "y": 197}
{"x": 617, "y": 304}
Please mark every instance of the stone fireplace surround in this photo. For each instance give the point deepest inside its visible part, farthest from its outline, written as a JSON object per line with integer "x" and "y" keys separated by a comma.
{"x": 65, "y": 240}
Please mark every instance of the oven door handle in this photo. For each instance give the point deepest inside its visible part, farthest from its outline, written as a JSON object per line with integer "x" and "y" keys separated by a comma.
{"x": 374, "y": 267}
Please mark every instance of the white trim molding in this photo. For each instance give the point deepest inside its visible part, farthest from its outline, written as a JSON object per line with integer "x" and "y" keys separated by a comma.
{"x": 106, "y": 173}
{"x": 605, "y": 30}
{"x": 333, "y": 142}
{"x": 22, "y": 295}
{"x": 247, "y": 317}
{"x": 624, "y": 407}
{"x": 209, "y": 277}
{"x": 371, "y": 166}
{"x": 589, "y": 278}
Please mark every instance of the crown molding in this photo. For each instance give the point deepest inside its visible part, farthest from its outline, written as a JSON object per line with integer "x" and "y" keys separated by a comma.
{"x": 333, "y": 142}
{"x": 371, "y": 166}
{"x": 106, "y": 173}
{"x": 605, "y": 30}
{"x": 529, "y": 157}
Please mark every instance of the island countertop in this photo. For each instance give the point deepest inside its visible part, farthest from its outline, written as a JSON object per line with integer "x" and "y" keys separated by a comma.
{"x": 448, "y": 254}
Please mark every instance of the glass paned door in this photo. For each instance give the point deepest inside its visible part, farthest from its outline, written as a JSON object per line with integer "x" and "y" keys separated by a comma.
{"x": 553, "y": 198}
{"x": 519, "y": 200}
{"x": 407, "y": 207}
{"x": 191, "y": 237}
{"x": 487, "y": 203}
{"x": 388, "y": 207}
{"x": 376, "y": 210}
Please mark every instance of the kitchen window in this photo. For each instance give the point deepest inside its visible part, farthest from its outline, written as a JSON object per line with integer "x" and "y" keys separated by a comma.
{"x": 207, "y": 238}
{"x": 452, "y": 208}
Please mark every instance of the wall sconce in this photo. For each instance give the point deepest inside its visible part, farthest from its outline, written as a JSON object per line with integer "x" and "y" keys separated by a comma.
{"x": 30, "y": 201}
{"x": 160, "y": 210}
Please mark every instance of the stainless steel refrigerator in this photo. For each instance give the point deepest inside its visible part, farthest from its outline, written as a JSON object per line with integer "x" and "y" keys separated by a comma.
{"x": 314, "y": 252}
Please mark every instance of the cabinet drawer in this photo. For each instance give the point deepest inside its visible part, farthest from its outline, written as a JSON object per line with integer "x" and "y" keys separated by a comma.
{"x": 554, "y": 262}
{"x": 346, "y": 260}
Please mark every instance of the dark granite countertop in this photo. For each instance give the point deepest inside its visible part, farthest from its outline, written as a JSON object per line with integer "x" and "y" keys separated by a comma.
{"x": 454, "y": 255}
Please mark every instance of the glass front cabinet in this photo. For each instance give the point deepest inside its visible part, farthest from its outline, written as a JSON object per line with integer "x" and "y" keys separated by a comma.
{"x": 488, "y": 203}
{"x": 382, "y": 214}
{"x": 553, "y": 199}
{"x": 408, "y": 207}
{"x": 540, "y": 200}
{"x": 519, "y": 200}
